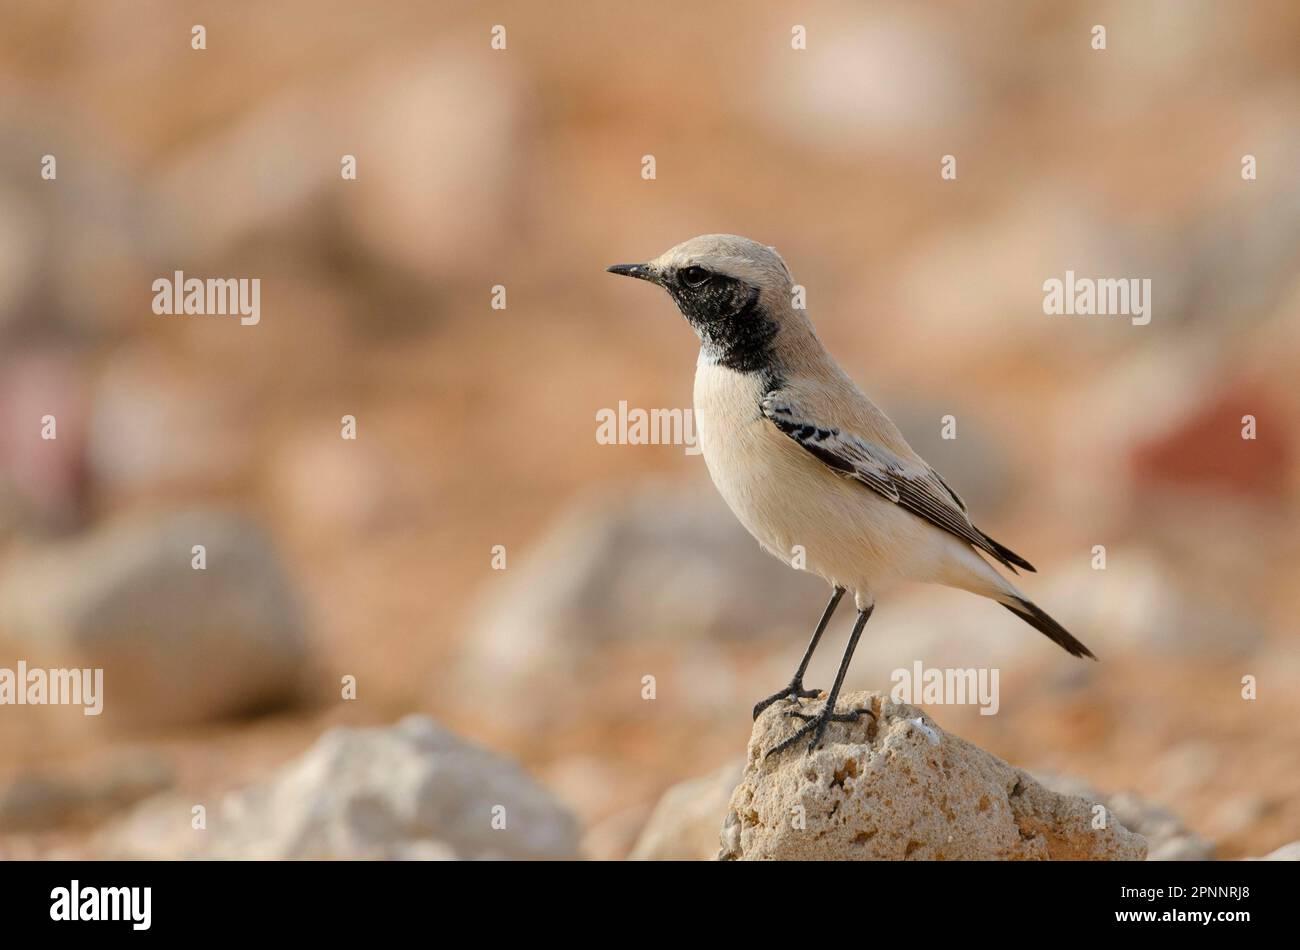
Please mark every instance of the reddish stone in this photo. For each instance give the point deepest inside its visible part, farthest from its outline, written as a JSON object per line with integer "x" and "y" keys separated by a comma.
{"x": 1206, "y": 450}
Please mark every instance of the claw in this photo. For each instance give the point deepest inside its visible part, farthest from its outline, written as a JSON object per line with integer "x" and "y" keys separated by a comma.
{"x": 794, "y": 691}
{"x": 816, "y": 725}
{"x": 852, "y": 715}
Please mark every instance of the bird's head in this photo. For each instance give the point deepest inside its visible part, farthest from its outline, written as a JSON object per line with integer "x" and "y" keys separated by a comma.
{"x": 735, "y": 293}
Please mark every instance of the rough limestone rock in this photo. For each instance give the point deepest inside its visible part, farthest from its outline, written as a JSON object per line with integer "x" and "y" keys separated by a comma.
{"x": 177, "y": 645}
{"x": 409, "y": 791}
{"x": 684, "y": 825}
{"x": 902, "y": 788}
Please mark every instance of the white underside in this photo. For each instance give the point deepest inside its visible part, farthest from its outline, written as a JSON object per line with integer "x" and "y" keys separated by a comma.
{"x": 791, "y": 502}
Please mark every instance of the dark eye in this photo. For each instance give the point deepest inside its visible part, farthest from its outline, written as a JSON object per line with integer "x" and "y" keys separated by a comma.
{"x": 695, "y": 276}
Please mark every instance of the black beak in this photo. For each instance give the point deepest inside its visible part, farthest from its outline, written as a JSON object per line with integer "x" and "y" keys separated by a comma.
{"x": 639, "y": 271}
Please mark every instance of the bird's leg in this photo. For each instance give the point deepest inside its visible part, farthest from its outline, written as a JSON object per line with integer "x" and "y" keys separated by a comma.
{"x": 815, "y": 725}
{"x": 795, "y": 690}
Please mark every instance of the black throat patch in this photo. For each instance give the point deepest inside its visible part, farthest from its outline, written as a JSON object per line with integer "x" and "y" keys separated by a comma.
{"x": 733, "y": 328}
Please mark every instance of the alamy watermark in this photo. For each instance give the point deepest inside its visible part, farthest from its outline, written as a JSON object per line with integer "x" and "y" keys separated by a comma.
{"x": 946, "y": 687}
{"x": 83, "y": 902}
{"x": 1103, "y": 296}
{"x": 53, "y": 687}
{"x": 624, "y": 426}
{"x": 215, "y": 296}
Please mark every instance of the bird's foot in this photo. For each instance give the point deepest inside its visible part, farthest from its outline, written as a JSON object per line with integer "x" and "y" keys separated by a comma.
{"x": 815, "y": 724}
{"x": 794, "y": 691}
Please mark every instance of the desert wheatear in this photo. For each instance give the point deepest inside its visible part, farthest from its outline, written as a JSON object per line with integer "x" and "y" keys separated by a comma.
{"x": 804, "y": 459}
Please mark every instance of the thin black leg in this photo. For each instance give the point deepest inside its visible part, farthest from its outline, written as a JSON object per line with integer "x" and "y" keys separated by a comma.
{"x": 815, "y": 725}
{"x": 795, "y": 689}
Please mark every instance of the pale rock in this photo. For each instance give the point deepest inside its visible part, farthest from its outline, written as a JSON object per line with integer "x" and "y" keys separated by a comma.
{"x": 684, "y": 824}
{"x": 177, "y": 645}
{"x": 139, "y": 445}
{"x": 874, "y": 81}
{"x": 902, "y": 788}
{"x": 979, "y": 287}
{"x": 70, "y": 258}
{"x": 1288, "y": 852}
{"x": 43, "y": 481}
{"x": 1141, "y": 603}
{"x": 412, "y": 791}
{"x": 415, "y": 203}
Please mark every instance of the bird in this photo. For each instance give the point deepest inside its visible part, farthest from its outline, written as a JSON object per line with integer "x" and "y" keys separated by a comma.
{"x": 810, "y": 466}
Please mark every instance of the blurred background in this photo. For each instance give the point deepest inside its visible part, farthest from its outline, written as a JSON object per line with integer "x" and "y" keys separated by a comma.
{"x": 373, "y": 558}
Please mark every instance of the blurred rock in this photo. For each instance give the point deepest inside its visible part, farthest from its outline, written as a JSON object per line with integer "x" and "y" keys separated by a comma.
{"x": 1204, "y": 449}
{"x": 195, "y": 439}
{"x": 1140, "y": 602}
{"x": 409, "y": 791}
{"x": 177, "y": 645}
{"x": 875, "y": 80}
{"x": 157, "y": 829}
{"x": 978, "y": 286}
{"x": 69, "y": 246}
{"x": 439, "y": 210}
{"x": 1288, "y": 852}
{"x": 1233, "y": 271}
{"x": 656, "y": 564}
{"x": 903, "y": 789}
{"x": 684, "y": 825}
{"x": 434, "y": 210}
{"x": 1168, "y": 839}
{"x": 1096, "y": 446}
{"x": 1236, "y": 816}
{"x": 43, "y": 482}
{"x": 37, "y": 802}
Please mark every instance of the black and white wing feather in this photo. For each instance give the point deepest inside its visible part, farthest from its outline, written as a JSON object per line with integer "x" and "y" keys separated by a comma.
{"x": 910, "y": 485}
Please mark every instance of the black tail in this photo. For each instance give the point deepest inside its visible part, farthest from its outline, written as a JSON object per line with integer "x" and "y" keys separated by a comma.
{"x": 1007, "y": 554}
{"x": 1034, "y": 615}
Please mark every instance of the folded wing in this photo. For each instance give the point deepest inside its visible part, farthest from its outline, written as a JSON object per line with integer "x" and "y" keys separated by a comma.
{"x": 912, "y": 486}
